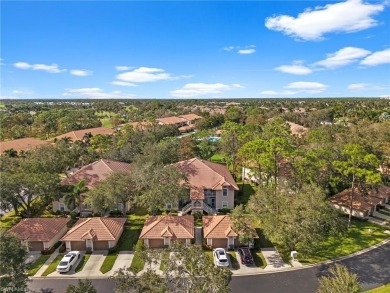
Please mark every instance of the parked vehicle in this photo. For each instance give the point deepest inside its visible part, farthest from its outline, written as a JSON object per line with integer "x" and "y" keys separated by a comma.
{"x": 220, "y": 257}
{"x": 246, "y": 256}
{"x": 67, "y": 262}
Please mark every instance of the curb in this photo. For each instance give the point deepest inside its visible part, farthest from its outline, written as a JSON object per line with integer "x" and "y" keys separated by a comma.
{"x": 384, "y": 242}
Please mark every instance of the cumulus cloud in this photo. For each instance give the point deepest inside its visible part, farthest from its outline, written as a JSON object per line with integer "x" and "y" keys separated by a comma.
{"x": 296, "y": 69}
{"x": 144, "y": 74}
{"x": 313, "y": 24}
{"x": 377, "y": 58}
{"x": 96, "y": 93}
{"x": 81, "y": 72}
{"x": 307, "y": 87}
{"x": 123, "y": 68}
{"x": 200, "y": 89}
{"x": 245, "y": 50}
{"x": 342, "y": 57}
{"x": 275, "y": 93}
{"x": 123, "y": 83}
{"x": 53, "y": 68}
{"x": 22, "y": 92}
{"x": 363, "y": 87}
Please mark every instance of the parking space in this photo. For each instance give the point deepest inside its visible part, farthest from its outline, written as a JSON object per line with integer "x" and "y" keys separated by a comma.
{"x": 72, "y": 272}
{"x": 245, "y": 269}
{"x": 123, "y": 260}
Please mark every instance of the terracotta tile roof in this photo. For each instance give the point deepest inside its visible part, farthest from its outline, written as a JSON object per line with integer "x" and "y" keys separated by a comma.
{"x": 297, "y": 129}
{"x": 140, "y": 125}
{"x": 97, "y": 229}
{"x": 96, "y": 172}
{"x": 380, "y": 191}
{"x": 203, "y": 174}
{"x": 360, "y": 202}
{"x": 38, "y": 229}
{"x": 79, "y": 134}
{"x": 190, "y": 117}
{"x": 186, "y": 128}
{"x": 171, "y": 120}
{"x": 220, "y": 227}
{"x": 21, "y": 144}
{"x": 177, "y": 227}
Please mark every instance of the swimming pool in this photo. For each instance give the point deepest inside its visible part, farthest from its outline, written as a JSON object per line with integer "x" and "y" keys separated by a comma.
{"x": 214, "y": 138}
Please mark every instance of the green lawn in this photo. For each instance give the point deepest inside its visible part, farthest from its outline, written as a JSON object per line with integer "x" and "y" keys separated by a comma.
{"x": 262, "y": 242}
{"x": 108, "y": 263}
{"x": 36, "y": 265}
{"x": 233, "y": 260}
{"x": 259, "y": 259}
{"x": 218, "y": 158}
{"x": 137, "y": 264}
{"x": 164, "y": 260}
{"x": 52, "y": 267}
{"x": 82, "y": 263}
{"x": 209, "y": 253}
{"x": 361, "y": 235}
{"x": 382, "y": 289}
{"x": 246, "y": 190}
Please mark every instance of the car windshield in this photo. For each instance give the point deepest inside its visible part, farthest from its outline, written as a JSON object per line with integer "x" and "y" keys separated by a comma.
{"x": 63, "y": 263}
{"x": 221, "y": 253}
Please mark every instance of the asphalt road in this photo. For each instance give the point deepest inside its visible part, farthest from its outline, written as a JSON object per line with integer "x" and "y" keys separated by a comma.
{"x": 373, "y": 268}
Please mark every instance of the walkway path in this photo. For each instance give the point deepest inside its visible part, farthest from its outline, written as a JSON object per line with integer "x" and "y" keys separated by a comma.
{"x": 198, "y": 235}
{"x": 273, "y": 259}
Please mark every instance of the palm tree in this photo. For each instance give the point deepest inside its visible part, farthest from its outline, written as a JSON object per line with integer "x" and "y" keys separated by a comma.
{"x": 73, "y": 198}
{"x": 67, "y": 140}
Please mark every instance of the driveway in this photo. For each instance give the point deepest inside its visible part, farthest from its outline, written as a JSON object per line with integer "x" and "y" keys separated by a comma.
{"x": 92, "y": 267}
{"x": 71, "y": 272}
{"x": 245, "y": 269}
{"x": 123, "y": 260}
{"x": 273, "y": 259}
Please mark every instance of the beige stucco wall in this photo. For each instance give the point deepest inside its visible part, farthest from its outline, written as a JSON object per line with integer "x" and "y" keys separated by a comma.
{"x": 56, "y": 205}
{"x": 355, "y": 213}
{"x": 219, "y": 198}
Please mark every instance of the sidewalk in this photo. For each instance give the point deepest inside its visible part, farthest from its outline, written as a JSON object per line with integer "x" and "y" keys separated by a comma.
{"x": 273, "y": 259}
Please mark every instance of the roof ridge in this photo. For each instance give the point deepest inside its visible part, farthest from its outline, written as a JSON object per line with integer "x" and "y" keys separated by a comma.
{"x": 159, "y": 219}
{"x": 104, "y": 162}
{"x": 104, "y": 224}
{"x": 78, "y": 226}
{"x": 202, "y": 161}
{"x": 222, "y": 217}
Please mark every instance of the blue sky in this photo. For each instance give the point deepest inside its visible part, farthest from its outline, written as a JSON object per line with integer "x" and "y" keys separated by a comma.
{"x": 255, "y": 49}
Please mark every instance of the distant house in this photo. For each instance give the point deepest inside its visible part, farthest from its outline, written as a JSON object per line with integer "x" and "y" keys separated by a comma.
{"x": 92, "y": 174}
{"x": 162, "y": 231}
{"x": 184, "y": 122}
{"x": 79, "y": 134}
{"x": 190, "y": 118}
{"x": 218, "y": 232}
{"x": 212, "y": 187}
{"x": 94, "y": 233}
{"x": 21, "y": 144}
{"x": 363, "y": 205}
{"x": 172, "y": 120}
{"x": 40, "y": 233}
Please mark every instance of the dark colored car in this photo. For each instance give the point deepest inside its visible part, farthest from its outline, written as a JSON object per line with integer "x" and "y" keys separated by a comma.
{"x": 246, "y": 256}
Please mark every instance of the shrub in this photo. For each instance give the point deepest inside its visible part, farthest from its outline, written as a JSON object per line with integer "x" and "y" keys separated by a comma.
{"x": 224, "y": 211}
{"x": 113, "y": 250}
{"x": 197, "y": 215}
{"x": 96, "y": 214}
{"x": 73, "y": 215}
{"x": 88, "y": 251}
{"x": 62, "y": 248}
{"x": 115, "y": 213}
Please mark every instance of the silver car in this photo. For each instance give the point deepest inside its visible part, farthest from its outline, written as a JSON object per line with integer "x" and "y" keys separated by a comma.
{"x": 68, "y": 261}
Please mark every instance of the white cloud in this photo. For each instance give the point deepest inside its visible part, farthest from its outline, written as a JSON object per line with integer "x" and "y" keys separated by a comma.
{"x": 81, "y": 72}
{"x": 307, "y": 87}
{"x": 246, "y": 51}
{"x": 342, "y": 57}
{"x": 200, "y": 89}
{"x": 96, "y": 93}
{"x": 377, "y": 58}
{"x": 22, "y": 92}
{"x": 144, "y": 74}
{"x": 294, "y": 69}
{"x": 363, "y": 87}
{"x": 123, "y": 83}
{"x": 275, "y": 93}
{"x": 123, "y": 68}
{"x": 312, "y": 24}
{"x": 53, "y": 68}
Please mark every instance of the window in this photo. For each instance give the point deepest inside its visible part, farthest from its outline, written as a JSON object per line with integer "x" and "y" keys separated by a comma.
{"x": 169, "y": 205}
{"x": 224, "y": 192}
{"x": 166, "y": 241}
{"x": 225, "y": 204}
{"x": 62, "y": 207}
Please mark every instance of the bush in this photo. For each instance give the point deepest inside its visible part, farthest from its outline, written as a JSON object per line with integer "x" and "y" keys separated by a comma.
{"x": 197, "y": 215}
{"x": 96, "y": 215}
{"x": 51, "y": 250}
{"x": 113, "y": 250}
{"x": 115, "y": 213}
{"x": 224, "y": 211}
{"x": 88, "y": 251}
{"x": 62, "y": 248}
{"x": 73, "y": 215}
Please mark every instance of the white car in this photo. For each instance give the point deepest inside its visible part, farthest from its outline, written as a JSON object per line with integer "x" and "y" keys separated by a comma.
{"x": 68, "y": 261}
{"x": 220, "y": 257}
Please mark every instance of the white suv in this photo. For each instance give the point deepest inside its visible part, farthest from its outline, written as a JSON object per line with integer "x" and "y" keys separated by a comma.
{"x": 220, "y": 257}
{"x": 68, "y": 261}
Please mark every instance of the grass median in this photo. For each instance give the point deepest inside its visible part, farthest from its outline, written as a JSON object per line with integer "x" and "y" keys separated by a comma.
{"x": 53, "y": 266}
{"x": 36, "y": 265}
{"x": 82, "y": 263}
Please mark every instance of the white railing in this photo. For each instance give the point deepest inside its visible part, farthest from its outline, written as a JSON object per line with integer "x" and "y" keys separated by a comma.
{"x": 186, "y": 208}
{"x": 209, "y": 210}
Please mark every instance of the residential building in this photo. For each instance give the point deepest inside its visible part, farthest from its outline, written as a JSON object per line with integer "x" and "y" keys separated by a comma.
{"x": 21, "y": 144}
{"x": 212, "y": 187}
{"x": 162, "y": 231}
{"x": 80, "y": 134}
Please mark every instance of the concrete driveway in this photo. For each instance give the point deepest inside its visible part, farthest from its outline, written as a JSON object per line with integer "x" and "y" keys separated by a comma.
{"x": 71, "y": 273}
{"x": 92, "y": 267}
{"x": 245, "y": 269}
{"x": 123, "y": 260}
{"x": 273, "y": 259}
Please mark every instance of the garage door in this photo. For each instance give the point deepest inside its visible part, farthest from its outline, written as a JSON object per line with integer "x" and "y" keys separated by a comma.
{"x": 78, "y": 245}
{"x": 220, "y": 243}
{"x": 100, "y": 245}
{"x": 35, "y": 246}
{"x": 156, "y": 243}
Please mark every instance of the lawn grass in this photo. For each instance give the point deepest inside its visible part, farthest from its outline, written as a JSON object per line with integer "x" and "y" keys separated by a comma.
{"x": 53, "y": 266}
{"x": 9, "y": 220}
{"x": 233, "y": 260}
{"x": 382, "y": 289}
{"x": 262, "y": 241}
{"x": 246, "y": 190}
{"x": 164, "y": 260}
{"x": 36, "y": 265}
{"x": 137, "y": 264}
{"x": 209, "y": 254}
{"x": 82, "y": 262}
{"x": 106, "y": 122}
{"x": 258, "y": 259}
{"x": 218, "y": 158}
{"x": 108, "y": 263}
{"x": 361, "y": 235}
